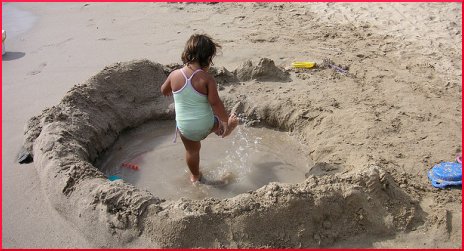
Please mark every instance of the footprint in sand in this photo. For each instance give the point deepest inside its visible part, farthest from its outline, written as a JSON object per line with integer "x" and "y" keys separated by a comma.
{"x": 105, "y": 39}
{"x": 38, "y": 70}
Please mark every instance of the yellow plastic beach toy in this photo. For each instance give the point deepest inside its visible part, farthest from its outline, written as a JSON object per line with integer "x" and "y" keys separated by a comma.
{"x": 307, "y": 65}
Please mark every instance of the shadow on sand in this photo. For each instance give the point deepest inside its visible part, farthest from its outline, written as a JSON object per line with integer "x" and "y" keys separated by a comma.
{"x": 12, "y": 55}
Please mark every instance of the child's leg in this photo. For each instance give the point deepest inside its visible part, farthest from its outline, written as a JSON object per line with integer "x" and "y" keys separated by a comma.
{"x": 192, "y": 157}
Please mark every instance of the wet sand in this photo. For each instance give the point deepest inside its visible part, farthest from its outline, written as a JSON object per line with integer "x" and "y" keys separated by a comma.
{"x": 402, "y": 82}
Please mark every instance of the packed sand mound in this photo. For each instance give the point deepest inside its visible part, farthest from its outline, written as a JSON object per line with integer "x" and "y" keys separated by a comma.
{"x": 315, "y": 213}
{"x": 264, "y": 70}
{"x": 66, "y": 139}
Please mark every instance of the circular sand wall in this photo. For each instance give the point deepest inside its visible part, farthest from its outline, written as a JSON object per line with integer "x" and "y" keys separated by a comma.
{"x": 66, "y": 139}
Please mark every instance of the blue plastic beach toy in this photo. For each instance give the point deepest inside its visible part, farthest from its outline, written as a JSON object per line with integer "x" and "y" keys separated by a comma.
{"x": 114, "y": 177}
{"x": 446, "y": 174}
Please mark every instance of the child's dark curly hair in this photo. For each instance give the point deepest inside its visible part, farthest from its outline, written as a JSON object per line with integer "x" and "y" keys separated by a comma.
{"x": 200, "y": 48}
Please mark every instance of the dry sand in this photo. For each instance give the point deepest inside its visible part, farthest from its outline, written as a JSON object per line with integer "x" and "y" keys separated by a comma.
{"x": 381, "y": 127}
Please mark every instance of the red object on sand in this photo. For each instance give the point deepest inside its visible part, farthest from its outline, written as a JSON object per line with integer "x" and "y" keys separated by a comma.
{"x": 130, "y": 165}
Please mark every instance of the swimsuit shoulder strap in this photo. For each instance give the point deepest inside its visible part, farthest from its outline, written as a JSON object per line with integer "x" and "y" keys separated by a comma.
{"x": 183, "y": 73}
{"x": 193, "y": 74}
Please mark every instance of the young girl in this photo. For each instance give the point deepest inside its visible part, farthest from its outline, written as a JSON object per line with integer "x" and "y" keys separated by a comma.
{"x": 199, "y": 110}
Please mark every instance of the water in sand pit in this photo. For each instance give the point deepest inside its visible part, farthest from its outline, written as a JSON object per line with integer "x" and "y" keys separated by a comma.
{"x": 244, "y": 161}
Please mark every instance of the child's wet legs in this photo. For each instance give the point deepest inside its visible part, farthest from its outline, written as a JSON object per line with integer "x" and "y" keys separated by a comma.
{"x": 192, "y": 157}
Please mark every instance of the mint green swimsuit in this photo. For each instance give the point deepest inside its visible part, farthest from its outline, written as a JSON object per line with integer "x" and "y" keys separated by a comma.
{"x": 194, "y": 115}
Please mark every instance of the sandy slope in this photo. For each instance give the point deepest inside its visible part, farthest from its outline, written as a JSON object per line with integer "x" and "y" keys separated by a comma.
{"x": 400, "y": 108}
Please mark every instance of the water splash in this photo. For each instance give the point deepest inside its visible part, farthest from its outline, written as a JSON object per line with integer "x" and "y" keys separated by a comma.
{"x": 237, "y": 159}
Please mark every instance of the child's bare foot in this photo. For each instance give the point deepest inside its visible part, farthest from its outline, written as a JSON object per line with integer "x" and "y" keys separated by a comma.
{"x": 231, "y": 124}
{"x": 195, "y": 178}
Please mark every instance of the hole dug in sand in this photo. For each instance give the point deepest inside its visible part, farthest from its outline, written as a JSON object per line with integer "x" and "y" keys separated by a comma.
{"x": 247, "y": 160}
{"x": 320, "y": 211}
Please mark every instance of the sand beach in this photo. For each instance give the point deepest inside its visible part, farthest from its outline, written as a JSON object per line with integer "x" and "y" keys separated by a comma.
{"x": 381, "y": 107}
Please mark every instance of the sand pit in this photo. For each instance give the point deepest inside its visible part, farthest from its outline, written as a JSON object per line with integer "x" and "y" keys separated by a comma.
{"x": 251, "y": 158}
{"x": 331, "y": 206}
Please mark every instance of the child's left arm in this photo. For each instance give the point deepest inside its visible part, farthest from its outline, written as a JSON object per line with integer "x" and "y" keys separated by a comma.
{"x": 166, "y": 87}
